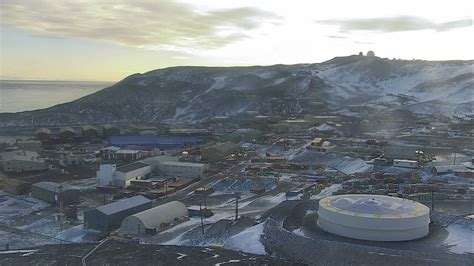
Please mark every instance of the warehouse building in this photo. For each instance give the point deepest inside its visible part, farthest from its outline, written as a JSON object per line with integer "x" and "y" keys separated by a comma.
{"x": 219, "y": 152}
{"x": 43, "y": 134}
{"x": 109, "y": 130}
{"x": 55, "y": 193}
{"x": 89, "y": 131}
{"x": 17, "y": 187}
{"x": 67, "y": 133}
{"x": 29, "y": 145}
{"x": 19, "y": 161}
{"x": 128, "y": 155}
{"x": 373, "y": 217}
{"x": 447, "y": 169}
{"x": 134, "y": 171}
{"x": 108, "y": 217}
{"x": 111, "y": 176}
{"x": 155, "y": 161}
{"x": 170, "y": 166}
{"x": 183, "y": 169}
{"x": 155, "y": 219}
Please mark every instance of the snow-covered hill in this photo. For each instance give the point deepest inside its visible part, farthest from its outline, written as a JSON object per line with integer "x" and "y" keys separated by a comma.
{"x": 199, "y": 93}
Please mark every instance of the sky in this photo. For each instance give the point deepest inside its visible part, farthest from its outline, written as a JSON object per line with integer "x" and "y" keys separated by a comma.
{"x": 107, "y": 40}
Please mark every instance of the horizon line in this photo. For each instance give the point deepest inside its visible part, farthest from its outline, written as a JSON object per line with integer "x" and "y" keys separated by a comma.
{"x": 226, "y": 66}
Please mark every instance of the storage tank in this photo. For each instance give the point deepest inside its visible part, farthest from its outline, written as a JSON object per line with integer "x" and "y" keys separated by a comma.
{"x": 373, "y": 217}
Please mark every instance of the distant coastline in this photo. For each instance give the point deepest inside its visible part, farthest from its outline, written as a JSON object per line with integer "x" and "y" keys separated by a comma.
{"x": 26, "y": 95}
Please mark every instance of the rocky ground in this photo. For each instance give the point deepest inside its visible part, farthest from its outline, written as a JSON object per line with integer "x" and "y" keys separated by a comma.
{"x": 121, "y": 253}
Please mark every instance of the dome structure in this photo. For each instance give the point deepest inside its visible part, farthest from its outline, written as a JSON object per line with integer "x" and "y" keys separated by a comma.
{"x": 373, "y": 217}
{"x": 370, "y": 53}
{"x": 153, "y": 219}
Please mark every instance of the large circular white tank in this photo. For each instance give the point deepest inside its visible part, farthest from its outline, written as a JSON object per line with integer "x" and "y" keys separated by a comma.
{"x": 373, "y": 217}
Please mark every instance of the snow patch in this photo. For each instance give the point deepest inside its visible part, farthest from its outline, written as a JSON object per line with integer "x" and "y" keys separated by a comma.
{"x": 248, "y": 240}
{"x": 460, "y": 239}
{"x": 327, "y": 191}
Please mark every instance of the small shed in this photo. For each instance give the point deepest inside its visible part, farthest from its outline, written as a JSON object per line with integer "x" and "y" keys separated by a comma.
{"x": 154, "y": 219}
{"x": 108, "y": 217}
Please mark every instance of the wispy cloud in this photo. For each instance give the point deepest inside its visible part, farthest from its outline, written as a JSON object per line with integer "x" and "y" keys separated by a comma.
{"x": 362, "y": 42}
{"x": 396, "y": 24}
{"x": 167, "y": 24}
{"x": 337, "y": 37}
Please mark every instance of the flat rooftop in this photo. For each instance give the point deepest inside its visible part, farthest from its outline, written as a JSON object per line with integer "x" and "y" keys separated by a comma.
{"x": 130, "y": 167}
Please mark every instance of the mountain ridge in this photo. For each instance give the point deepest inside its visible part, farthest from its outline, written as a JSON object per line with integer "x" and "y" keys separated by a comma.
{"x": 194, "y": 93}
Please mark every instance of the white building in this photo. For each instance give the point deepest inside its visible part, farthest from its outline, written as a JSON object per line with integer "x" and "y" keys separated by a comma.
{"x": 405, "y": 163}
{"x": 373, "y": 217}
{"x": 111, "y": 176}
{"x": 22, "y": 161}
{"x": 447, "y": 169}
{"x": 183, "y": 169}
{"x": 170, "y": 166}
{"x": 152, "y": 220}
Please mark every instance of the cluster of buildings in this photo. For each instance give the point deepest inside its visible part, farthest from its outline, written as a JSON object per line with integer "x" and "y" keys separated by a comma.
{"x": 50, "y": 192}
{"x": 407, "y": 182}
{"x": 152, "y": 168}
{"x": 70, "y": 134}
{"x": 138, "y": 170}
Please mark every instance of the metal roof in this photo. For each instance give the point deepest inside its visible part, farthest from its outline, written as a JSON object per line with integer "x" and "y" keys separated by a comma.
{"x": 123, "y": 205}
{"x": 89, "y": 127}
{"x": 186, "y": 164}
{"x": 447, "y": 168}
{"x": 64, "y": 129}
{"x": 127, "y": 151}
{"x": 224, "y": 147}
{"x": 130, "y": 167}
{"x": 166, "y": 213}
{"x": 154, "y": 140}
{"x": 43, "y": 130}
{"x": 52, "y": 186}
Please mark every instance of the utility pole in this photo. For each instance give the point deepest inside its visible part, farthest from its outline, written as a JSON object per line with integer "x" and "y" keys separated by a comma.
{"x": 237, "y": 196}
{"x": 202, "y": 220}
{"x": 432, "y": 200}
{"x": 60, "y": 192}
{"x": 61, "y": 206}
{"x": 454, "y": 158}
